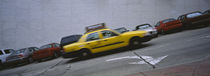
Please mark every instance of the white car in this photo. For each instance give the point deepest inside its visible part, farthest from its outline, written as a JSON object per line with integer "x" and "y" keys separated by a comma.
{"x": 4, "y": 53}
{"x": 147, "y": 27}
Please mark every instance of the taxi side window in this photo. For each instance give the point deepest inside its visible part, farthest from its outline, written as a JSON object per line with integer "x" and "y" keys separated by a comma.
{"x": 93, "y": 36}
{"x": 107, "y": 34}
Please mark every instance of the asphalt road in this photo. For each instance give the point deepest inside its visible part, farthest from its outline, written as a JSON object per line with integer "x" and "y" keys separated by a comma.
{"x": 165, "y": 51}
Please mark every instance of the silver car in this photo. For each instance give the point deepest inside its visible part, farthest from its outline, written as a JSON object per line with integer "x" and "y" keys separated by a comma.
{"x": 4, "y": 53}
{"x": 147, "y": 27}
{"x": 22, "y": 55}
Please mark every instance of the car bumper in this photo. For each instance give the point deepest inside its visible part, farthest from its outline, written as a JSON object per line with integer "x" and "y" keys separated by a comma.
{"x": 147, "y": 38}
{"x": 153, "y": 34}
{"x": 14, "y": 61}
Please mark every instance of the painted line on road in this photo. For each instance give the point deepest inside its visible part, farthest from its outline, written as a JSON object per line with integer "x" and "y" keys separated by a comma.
{"x": 147, "y": 58}
{"x": 127, "y": 57}
{"x": 151, "y": 60}
{"x": 153, "y": 66}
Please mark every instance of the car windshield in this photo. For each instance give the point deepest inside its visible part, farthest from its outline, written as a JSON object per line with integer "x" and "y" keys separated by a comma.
{"x": 121, "y": 30}
{"x": 45, "y": 46}
{"x": 144, "y": 27}
{"x": 20, "y": 51}
{"x": 158, "y": 24}
{"x": 168, "y": 20}
{"x": 193, "y": 15}
{"x": 7, "y": 51}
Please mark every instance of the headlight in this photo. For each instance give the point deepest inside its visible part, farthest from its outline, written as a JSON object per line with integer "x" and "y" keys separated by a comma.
{"x": 147, "y": 34}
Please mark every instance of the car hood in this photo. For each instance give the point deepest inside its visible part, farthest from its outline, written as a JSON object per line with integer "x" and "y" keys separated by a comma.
{"x": 14, "y": 56}
{"x": 134, "y": 32}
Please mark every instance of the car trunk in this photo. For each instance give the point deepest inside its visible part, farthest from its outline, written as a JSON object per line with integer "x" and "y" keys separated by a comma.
{"x": 15, "y": 56}
{"x": 199, "y": 19}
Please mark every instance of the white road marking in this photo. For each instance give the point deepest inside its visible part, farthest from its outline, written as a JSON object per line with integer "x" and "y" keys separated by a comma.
{"x": 150, "y": 60}
{"x": 128, "y": 57}
{"x": 147, "y": 58}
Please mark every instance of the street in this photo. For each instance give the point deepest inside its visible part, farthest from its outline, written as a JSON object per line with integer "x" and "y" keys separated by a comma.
{"x": 164, "y": 51}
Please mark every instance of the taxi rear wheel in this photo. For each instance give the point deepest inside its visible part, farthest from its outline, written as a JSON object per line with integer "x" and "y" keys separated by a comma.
{"x": 85, "y": 53}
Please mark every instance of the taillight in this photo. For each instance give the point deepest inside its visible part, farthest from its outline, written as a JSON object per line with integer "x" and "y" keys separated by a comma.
{"x": 20, "y": 55}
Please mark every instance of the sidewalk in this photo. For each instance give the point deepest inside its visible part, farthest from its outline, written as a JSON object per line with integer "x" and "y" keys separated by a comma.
{"x": 200, "y": 68}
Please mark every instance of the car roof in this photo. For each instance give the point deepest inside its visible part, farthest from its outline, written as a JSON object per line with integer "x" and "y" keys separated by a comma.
{"x": 167, "y": 19}
{"x": 144, "y": 24}
{"x": 71, "y": 36}
{"x": 191, "y": 13}
{"x": 98, "y": 30}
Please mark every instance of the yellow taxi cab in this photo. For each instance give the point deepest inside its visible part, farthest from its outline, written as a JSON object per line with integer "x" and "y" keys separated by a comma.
{"x": 98, "y": 38}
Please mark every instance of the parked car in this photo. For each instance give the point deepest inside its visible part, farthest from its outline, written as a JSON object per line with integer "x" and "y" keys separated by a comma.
{"x": 104, "y": 39}
{"x": 194, "y": 19}
{"x": 50, "y": 50}
{"x": 206, "y": 12}
{"x": 147, "y": 27}
{"x": 121, "y": 30}
{"x": 21, "y": 56}
{"x": 68, "y": 40}
{"x": 168, "y": 25}
{"x": 4, "y": 53}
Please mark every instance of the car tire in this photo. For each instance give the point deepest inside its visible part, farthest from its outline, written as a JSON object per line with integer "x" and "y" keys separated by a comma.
{"x": 1, "y": 65}
{"x": 134, "y": 43}
{"x": 156, "y": 35}
{"x": 30, "y": 60}
{"x": 163, "y": 32}
{"x": 40, "y": 60}
{"x": 55, "y": 55}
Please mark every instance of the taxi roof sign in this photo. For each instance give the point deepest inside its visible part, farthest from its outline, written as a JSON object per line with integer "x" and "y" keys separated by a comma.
{"x": 95, "y": 27}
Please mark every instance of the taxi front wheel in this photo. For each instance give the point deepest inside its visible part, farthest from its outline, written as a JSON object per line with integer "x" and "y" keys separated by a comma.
{"x": 134, "y": 43}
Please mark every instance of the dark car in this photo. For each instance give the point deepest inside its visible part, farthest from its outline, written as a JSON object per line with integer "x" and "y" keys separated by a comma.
{"x": 68, "y": 40}
{"x": 21, "y": 56}
{"x": 206, "y": 12}
{"x": 121, "y": 30}
{"x": 50, "y": 50}
{"x": 168, "y": 25}
{"x": 194, "y": 19}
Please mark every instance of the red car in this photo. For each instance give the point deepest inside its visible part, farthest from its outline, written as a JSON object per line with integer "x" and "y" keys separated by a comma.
{"x": 195, "y": 19}
{"x": 50, "y": 50}
{"x": 167, "y": 25}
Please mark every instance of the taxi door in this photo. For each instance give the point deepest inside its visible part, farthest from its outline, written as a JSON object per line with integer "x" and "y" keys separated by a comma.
{"x": 111, "y": 40}
{"x": 93, "y": 42}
